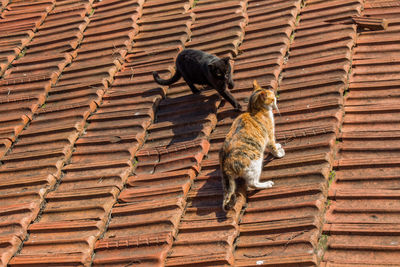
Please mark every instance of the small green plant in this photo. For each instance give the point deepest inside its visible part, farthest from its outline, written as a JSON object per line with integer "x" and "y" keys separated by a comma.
{"x": 297, "y": 19}
{"x": 328, "y": 203}
{"x": 323, "y": 242}
{"x": 135, "y": 161}
{"x": 292, "y": 36}
{"x": 195, "y": 3}
{"x": 22, "y": 53}
{"x": 331, "y": 177}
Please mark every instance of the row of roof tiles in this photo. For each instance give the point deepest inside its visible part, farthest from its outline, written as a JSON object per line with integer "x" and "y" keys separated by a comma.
{"x": 361, "y": 226}
{"x": 281, "y": 226}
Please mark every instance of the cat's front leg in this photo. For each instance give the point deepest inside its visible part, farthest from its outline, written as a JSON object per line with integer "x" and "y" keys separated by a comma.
{"x": 229, "y": 97}
{"x": 276, "y": 149}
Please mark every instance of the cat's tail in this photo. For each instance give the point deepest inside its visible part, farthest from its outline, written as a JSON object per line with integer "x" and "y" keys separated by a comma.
{"x": 229, "y": 187}
{"x": 228, "y": 184}
{"x": 170, "y": 81}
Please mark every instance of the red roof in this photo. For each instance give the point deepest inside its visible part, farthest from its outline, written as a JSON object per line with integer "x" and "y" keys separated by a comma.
{"x": 103, "y": 167}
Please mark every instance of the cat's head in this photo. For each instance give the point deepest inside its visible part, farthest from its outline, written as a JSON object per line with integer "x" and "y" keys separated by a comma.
{"x": 261, "y": 99}
{"x": 222, "y": 72}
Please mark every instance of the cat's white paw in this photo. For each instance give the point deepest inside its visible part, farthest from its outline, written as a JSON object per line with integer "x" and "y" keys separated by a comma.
{"x": 280, "y": 151}
{"x": 267, "y": 184}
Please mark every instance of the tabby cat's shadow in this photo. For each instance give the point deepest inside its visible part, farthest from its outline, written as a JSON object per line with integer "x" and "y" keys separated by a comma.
{"x": 268, "y": 158}
{"x": 207, "y": 200}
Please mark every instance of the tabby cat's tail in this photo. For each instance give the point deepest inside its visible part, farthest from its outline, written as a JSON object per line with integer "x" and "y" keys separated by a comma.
{"x": 170, "y": 81}
{"x": 229, "y": 187}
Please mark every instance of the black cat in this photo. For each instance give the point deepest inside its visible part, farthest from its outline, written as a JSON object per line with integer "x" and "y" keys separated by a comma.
{"x": 198, "y": 67}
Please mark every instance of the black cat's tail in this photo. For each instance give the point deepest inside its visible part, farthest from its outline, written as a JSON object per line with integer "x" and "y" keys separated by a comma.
{"x": 170, "y": 81}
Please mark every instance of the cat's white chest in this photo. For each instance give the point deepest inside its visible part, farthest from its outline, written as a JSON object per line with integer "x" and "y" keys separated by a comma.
{"x": 271, "y": 121}
{"x": 270, "y": 118}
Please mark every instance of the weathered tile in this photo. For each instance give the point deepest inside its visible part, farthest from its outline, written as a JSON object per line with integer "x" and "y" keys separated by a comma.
{"x": 362, "y": 198}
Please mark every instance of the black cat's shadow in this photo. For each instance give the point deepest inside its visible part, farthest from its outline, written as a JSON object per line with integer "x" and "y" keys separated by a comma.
{"x": 188, "y": 115}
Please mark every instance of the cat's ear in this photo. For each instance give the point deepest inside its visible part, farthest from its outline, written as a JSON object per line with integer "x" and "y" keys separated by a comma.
{"x": 226, "y": 60}
{"x": 211, "y": 67}
{"x": 255, "y": 84}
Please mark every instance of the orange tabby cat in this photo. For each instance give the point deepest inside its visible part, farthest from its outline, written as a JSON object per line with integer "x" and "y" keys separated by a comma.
{"x": 242, "y": 153}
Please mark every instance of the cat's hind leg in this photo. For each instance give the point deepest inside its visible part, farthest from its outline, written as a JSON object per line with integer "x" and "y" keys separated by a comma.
{"x": 260, "y": 185}
{"x": 190, "y": 84}
{"x": 193, "y": 88}
{"x": 253, "y": 175}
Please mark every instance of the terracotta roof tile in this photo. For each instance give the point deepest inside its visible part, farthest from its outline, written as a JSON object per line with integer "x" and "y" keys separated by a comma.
{"x": 289, "y": 230}
{"x": 362, "y": 192}
{"x": 20, "y": 21}
{"x": 119, "y": 250}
